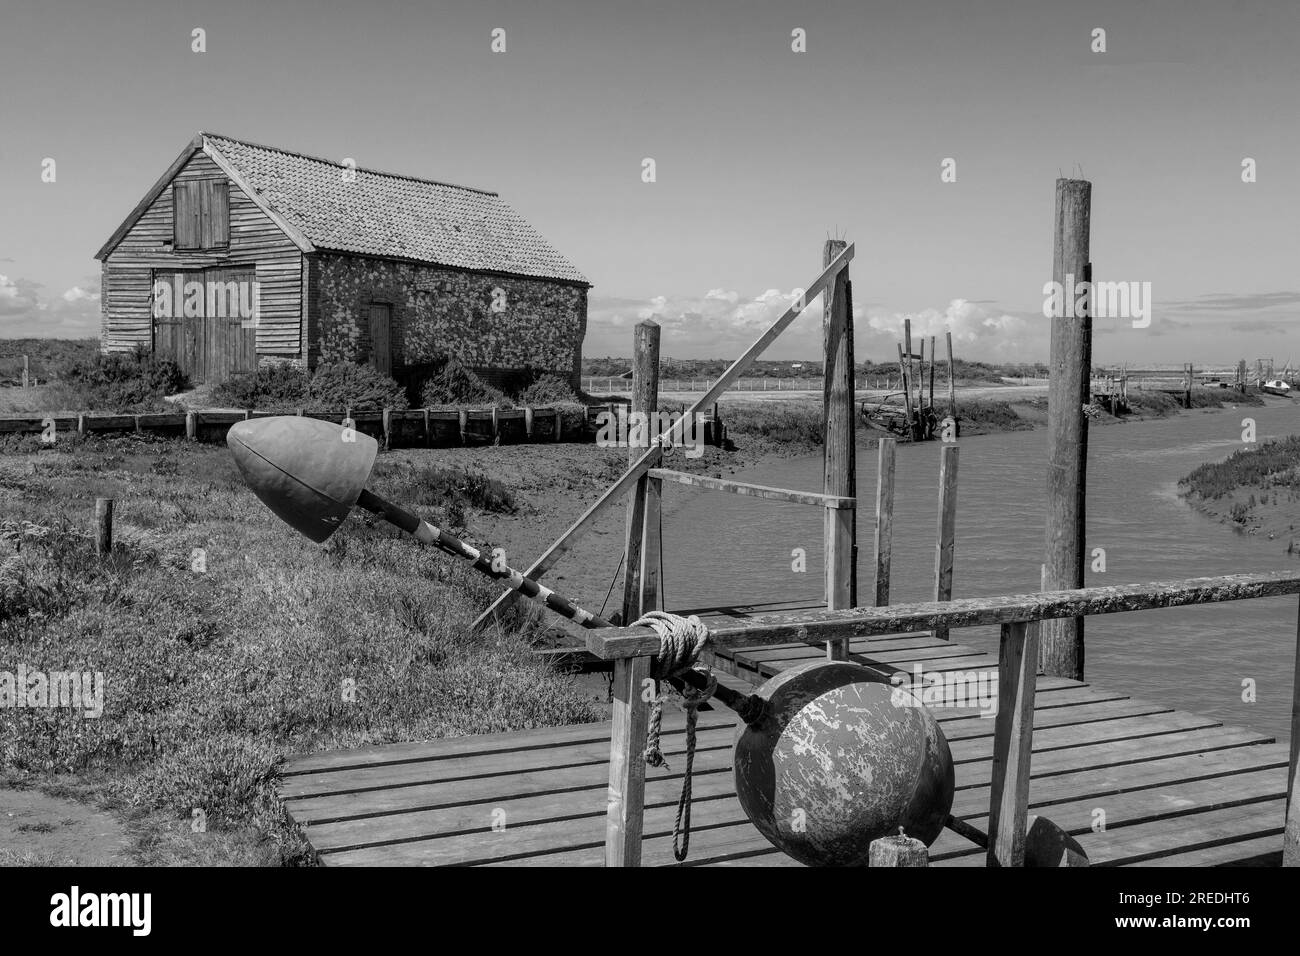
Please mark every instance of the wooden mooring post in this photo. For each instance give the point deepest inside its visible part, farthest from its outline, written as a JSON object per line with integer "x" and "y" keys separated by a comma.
{"x": 1067, "y": 430}
{"x": 952, "y": 386}
{"x": 625, "y": 809}
{"x": 884, "y": 518}
{"x": 103, "y": 526}
{"x": 838, "y": 461}
{"x": 946, "y": 533}
{"x": 645, "y": 399}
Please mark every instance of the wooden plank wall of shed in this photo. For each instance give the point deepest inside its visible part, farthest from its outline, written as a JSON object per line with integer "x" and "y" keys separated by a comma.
{"x": 254, "y": 239}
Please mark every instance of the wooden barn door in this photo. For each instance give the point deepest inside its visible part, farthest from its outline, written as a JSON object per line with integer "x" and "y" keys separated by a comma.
{"x": 229, "y": 347}
{"x": 381, "y": 337}
{"x": 177, "y": 336}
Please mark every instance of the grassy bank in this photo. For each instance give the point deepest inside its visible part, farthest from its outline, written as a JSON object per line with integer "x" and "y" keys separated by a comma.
{"x": 1256, "y": 490}
{"x": 226, "y": 642}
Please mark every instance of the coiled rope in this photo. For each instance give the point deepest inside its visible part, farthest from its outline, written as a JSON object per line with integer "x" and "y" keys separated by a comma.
{"x": 681, "y": 641}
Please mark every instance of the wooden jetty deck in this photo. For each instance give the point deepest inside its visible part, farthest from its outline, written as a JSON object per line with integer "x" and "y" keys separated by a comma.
{"x": 1177, "y": 789}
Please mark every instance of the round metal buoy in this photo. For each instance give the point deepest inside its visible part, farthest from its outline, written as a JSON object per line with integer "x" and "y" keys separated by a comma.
{"x": 839, "y": 759}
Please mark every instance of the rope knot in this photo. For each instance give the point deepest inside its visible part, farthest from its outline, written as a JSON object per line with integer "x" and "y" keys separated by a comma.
{"x": 681, "y": 642}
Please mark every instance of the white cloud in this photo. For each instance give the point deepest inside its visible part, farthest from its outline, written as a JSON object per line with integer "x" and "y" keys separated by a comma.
{"x": 723, "y": 323}
{"x": 978, "y": 333}
{"x": 78, "y": 294}
{"x": 24, "y": 311}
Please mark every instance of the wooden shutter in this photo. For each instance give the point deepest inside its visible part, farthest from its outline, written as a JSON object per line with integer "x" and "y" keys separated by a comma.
{"x": 185, "y": 211}
{"x": 215, "y": 213}
{"x": 202, "y": 211}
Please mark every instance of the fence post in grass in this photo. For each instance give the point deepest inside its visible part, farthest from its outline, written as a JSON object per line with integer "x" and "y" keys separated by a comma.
{"x": 103, "y": 526}
{"x": 839, "y": 464}
{"x": 26, "y": 378}
{"x": 528, "y": 422}
{"x": 387, "y": 425}
{"x": 192, "y": 426}
{"x": 1291, "y": 833}
{"x": 496, "y": 426}
{"x": 463, "y": 415}
{"x": 428, "y": 433}
{"x": 1067, "y": 429}
{"x": 1013, "y": 741}
{"x": 81, "y": 425}
{"x": 558, "y": 419}
{"x": 945, "y": 538}
{"x": 645, "y": 400}
{"x": 884, "y": 518}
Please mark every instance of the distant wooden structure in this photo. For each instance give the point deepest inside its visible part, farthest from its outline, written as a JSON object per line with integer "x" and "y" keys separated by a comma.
{"x": 911, "y": 413}
{"x": 1110, "y": 390}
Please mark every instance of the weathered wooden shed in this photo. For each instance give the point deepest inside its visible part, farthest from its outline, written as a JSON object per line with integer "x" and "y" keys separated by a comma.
{"x": 241, "y": 255}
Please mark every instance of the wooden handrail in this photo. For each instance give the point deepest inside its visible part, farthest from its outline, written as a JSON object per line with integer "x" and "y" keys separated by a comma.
{"x": 754, "y": 491}
{"x": 814, "y": 627}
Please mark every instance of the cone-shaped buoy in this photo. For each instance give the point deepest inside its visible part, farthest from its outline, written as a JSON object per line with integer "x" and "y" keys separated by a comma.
{"x": 309, "y": 472}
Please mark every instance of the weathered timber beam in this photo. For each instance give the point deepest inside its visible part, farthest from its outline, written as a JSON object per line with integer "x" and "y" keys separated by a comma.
{"x": 754, "y": 491}
{"x": 818, "y": 626}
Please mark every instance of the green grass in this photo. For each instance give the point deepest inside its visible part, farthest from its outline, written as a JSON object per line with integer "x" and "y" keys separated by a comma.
{"x": 228, "y": 642}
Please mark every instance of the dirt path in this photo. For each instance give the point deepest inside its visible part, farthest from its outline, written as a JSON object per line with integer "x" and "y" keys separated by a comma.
{"x": 39, "y": 830}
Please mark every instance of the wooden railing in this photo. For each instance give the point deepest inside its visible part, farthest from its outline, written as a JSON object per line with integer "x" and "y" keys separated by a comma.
{"x": 630, "y": 648}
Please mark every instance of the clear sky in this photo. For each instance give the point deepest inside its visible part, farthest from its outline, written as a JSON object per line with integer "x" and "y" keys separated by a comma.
{"x": 760, "y": 151}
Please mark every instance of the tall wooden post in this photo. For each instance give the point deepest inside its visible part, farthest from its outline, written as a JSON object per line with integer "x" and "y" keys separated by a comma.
{"x": 945, "y": 536}
{"x": 645, "y": 399}
{"x": 1061, "y": 647}
{"x": 838, "y": 462}
{"x": 952, "y": 386}
{"x": 884, "y": 519}
{"x": 626, "y": 807}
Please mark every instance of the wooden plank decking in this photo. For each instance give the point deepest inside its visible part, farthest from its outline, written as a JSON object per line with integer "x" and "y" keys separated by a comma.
{"x": 1176, "y": 788}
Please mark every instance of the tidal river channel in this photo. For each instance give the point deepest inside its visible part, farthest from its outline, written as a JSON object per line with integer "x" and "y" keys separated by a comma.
{"x": 1190, "y": 658}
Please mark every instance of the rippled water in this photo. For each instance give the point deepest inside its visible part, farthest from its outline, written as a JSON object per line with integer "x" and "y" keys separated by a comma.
{"x": 722, "y": 549}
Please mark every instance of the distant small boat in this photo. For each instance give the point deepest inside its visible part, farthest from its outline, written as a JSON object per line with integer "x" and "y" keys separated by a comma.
{"x": 1276, "y": 387}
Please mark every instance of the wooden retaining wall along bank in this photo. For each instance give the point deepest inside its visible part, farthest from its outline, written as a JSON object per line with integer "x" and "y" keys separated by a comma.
{"x": 405, "y": 428}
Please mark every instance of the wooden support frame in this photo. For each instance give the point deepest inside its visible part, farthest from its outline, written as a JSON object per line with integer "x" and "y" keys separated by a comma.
{"x": 652, "y": 456}
{"x": 1013, "y": 743}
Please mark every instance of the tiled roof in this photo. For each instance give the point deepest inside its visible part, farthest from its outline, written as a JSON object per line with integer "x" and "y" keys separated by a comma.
{"x": 383, "y": 214}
